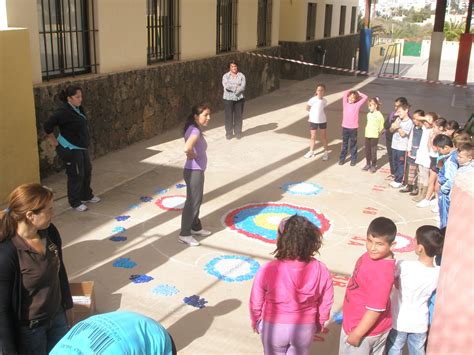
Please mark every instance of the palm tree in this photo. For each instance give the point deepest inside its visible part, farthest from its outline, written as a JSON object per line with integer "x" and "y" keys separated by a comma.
{"x": 453, "y": 30}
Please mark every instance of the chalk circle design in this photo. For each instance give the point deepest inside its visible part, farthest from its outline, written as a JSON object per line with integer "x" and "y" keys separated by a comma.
{"x": 232, "y": 268}
{"x": 260, "y": 220}
{"x": 302, "y": 188}
{"x": 404, "y": 243}
{"x": 171, "y": 203}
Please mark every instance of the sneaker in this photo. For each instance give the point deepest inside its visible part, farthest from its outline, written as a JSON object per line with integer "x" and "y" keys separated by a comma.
{"x": 395, "y": 184}
{"x": 94, "y": 199}
{"x": 366, "y": 168}
{"x": 310, "y": 154}
{"x": 341, "y": 162}
{"x": 435, "y": 209}
{"x": 201, "y": 233}
{"x": 353, "y": 163}
{"x": 405, "y": 189}
{"x": 434, "y": 202}
{"x": 325, "y": 155}
{"x": 81, "y": 208}
{"x": 423, "y": 203}
{"x": 189, "y": 240}
{"x": 373, "y": 169}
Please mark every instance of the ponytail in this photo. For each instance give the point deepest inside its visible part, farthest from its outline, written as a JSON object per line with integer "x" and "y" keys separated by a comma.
{"x": 8, "y": 225}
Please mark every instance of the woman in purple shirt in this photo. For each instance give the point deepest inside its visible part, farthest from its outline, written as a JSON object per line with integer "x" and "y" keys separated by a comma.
{"x": 196, "y": 162}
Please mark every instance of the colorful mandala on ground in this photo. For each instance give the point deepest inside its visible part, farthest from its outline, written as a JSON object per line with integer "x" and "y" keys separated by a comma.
{"x": 171, "y": 203}
{"x": 404, "y": 243}
{"x": 302, "y": 188}
{"x": 260, "y": 220}
{"x": 232, "y": 268}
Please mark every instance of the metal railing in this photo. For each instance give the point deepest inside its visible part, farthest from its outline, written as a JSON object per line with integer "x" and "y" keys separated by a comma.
{"x": 264, "y": 23}
{"x": 393, "y": 53}
{"x": 226, "y": 22}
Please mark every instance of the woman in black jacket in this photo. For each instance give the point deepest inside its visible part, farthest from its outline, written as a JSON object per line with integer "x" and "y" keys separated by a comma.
{"x": 35, "y": 299}
{"x": 72, "y": 146}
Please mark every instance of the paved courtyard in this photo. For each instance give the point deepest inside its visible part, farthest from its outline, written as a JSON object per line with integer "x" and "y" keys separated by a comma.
{"x": 249, "y": 187}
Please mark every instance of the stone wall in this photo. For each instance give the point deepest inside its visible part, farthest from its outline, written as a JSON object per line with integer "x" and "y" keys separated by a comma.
{"x": 339, "y": 53}
{"x": 126, "y": 107}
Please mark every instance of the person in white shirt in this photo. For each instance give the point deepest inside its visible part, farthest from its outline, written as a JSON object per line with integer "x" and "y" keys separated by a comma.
{"x": 415, "y": 282}
{"x": 317, "y": 120}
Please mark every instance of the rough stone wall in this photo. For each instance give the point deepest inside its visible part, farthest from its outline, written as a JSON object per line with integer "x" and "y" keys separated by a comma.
{"x": 339, "y": 53}
{"x": 126, "y": 107}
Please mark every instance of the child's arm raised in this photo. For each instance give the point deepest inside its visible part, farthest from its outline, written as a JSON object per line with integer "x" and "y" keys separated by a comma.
{"x": 366, "y": 323}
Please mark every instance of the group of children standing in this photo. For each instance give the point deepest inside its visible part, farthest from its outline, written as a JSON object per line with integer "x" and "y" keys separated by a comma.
{"x": 292, "y": 296}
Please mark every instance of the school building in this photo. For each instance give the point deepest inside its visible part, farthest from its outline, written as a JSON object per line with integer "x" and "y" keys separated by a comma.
{"x": 143, "y": 63}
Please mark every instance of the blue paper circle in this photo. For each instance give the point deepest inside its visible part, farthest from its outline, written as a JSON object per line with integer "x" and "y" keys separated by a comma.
{"x": 211, "y": 268}
{"x": 314, "y": 189}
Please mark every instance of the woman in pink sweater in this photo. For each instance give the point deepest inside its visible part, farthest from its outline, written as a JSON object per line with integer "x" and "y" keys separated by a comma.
{"x": 291, "y": 297}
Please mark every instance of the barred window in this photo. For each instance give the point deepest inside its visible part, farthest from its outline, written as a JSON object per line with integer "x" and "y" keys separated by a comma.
{"x": 67, "y": 37}
{"x": 328, "y": 21}
{"x": 163, "y": 30}
{"x": 226, "y": 26}
{"x": 342, "y": 21}
{"x": 264, "y": 23}
{"x": 353, "y": 19}
{"x": 311, "y": 21}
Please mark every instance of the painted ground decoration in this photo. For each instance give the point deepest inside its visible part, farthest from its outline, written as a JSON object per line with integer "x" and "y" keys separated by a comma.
{"x": 302, "y": 188}
{"x": 260, "y": 220}
{"x": 232, "y": 268}
{"x": 171, "y": 203}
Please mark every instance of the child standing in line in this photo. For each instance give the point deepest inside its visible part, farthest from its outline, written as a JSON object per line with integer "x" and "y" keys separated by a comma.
{"x": 291, "y": 297}
{"x": 367, "y": 315}
{"x": 372, "y": 133}
{"x": 352, "y": 101}
{"x": 465, "y": 155}
{"x": 317, "y": 120}
{"x": 401, "y": 129}
{"x": 423, "y": 160}
{"x": 415, "y": 282}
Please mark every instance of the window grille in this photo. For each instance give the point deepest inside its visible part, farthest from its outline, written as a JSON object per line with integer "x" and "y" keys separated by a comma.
{"x": 162, "y": 30}
{"x": 67, "y": 37}
{"x": 342, "y": 21}
{"x": 226, "y": 26}
{"x": 353, "y": 19}
{"x": 311, "y": 21}
{"x": 328, "y": 21}
{"x": 264, "y": 23}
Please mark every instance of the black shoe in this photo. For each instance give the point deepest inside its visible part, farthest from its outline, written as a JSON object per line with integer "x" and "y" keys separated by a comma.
{"x": 238, "y": 135}
{"x": 228, "y": 137}
{"x": 353, "y": 163}
{"x": 341, "y": 162}
{"x": 366, "y": 168}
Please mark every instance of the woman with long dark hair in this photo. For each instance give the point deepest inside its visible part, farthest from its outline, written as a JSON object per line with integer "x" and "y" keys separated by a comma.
{"x": 35, "y": 299}
{"x": 196, "y": 162}
{"x": 72, "y": 146}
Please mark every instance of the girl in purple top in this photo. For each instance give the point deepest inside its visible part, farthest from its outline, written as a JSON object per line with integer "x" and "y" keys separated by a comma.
{"x": 196, "y": 162}
{"x": 292, "y": 296}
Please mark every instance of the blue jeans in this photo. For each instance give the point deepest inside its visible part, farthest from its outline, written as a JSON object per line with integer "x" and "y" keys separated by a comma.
{"x": 398, "y": 158}
{"x": 443, "y": 204}
{"x": 42, "y": 339}
{"x": 349, "y": 139}
{"x": 396, "y": 341}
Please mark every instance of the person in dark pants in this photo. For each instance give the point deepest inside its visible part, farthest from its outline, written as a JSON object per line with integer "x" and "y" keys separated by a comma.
{"x": 195, "y": 149}
{"x": 35, "y": 299}
{"x": 234, "y": 87}
{"x": 72, "y": 147}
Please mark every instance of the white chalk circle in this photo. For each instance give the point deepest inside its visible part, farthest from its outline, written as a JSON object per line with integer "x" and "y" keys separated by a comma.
{"x": 302, "y": 188}
{"x": 171, "y": 203}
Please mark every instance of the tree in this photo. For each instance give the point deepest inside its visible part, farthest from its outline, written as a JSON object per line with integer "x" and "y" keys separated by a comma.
{"x": 453, "y": 30}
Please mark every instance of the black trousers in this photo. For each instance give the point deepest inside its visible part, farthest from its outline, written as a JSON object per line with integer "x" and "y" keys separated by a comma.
{"x": 371, "y": 151}
{"x": 233, "y": 117}
{"x": 349, "y": 139}
{"x": 79, "y": 172}
{"x": 388, "y": 145}
{"x": 194, "y": 193}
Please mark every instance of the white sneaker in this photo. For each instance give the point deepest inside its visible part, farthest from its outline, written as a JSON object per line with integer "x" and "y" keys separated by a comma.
{"x": 434, "y": 202}
{"x": 423, "y": 203}
{"x": 81, "y": 208}
{"x": 201, "y": 233}
{"x": 435, "y": 209}
{"x": 310, "y": 154}
{"x": 395, "y": 184}
{"x": 189, "y": 240}
{"x": 326, "y": 155}
{"x": 94, "y": 199}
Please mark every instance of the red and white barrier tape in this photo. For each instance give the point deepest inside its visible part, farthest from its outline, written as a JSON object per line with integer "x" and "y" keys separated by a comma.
{"x": 386, "y": 76}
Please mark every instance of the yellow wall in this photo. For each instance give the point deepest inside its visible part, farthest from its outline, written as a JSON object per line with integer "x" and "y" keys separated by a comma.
{"x": 18, "y": 140}
{"x": 122, "y": 34}
{"x": 198, "y": 28}
{"x": 247, "y": 24}
{"x": 276, "y": 22}
{"x": 23, "y": 13}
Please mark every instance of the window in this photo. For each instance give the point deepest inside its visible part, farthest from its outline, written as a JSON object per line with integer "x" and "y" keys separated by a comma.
{"x": 327, "y": 21}
{"x": 264, "y": 23}
{"x": 226, "y": 26}
{"x": 353, "y": 19}
{"x": 342, "y": 21}
{"x": 163, "y": 30}
{"x": 311, "y": 21}
{"x": 67, "y": 37}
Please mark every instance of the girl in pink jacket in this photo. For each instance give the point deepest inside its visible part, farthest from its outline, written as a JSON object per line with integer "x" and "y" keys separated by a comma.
{"x": 291, "y": 297}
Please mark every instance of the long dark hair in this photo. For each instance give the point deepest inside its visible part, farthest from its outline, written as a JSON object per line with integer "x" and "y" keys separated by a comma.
{"x": 195, "y": 110}
{"x": 68, "y": 92}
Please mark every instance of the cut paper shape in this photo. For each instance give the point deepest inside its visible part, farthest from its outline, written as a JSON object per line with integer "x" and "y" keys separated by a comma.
{"x": 378, "y": 188}
{"x": 122, "y": 218}
{"x": 119, "y": 229}
{"x": 340, "y": 280}
{"x": 124, "y": 263}
{"x": 356, "y": 240}
{"x": 138, "y": 279}
{"x": 370, "y": 210}
{"x": 337, "y": 317}
{"x": 165, "y": 290}
{"x": 133, "y": 206}
{"x": 171, "y": 203}
{"x": 118, "y": 238}
{"x": 302, "y": 188}
{"x": 260, "y": 220}
{"x": 232, "y": 268}
{"x": 146, "y": 199}
{"x": 195, "y": 301}
{"x": 161, "y": 191}
{"x": 180, "y": 186}
{"x": 404, "y": 243}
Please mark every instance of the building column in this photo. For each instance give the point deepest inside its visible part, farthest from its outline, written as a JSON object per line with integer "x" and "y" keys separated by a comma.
{"x": 464, "y": 54}
{"x": 437, "y": 38}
